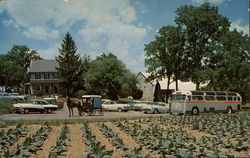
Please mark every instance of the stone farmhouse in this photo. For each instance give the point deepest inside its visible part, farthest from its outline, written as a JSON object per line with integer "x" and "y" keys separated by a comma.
{"x": 149, "y": 87}
{"x": 43, "y": 78}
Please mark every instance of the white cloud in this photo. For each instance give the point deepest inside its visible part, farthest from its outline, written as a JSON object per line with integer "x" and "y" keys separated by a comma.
{"x": 236, "y": 25}
{"x": 108, "y": 26}
{"x": 209, "y": 1}
{"x": 41, "y": 33}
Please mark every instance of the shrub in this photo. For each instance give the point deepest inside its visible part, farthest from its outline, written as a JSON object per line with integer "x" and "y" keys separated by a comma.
{"x": 5, "y": 107}
{"x": 137, "y": 94}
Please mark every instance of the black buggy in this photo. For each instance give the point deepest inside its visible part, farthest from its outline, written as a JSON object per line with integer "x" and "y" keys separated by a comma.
{"x": 91, "y": 105}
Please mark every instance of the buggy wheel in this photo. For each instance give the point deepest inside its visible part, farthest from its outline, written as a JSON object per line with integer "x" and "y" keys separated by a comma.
{"x": 100, "y": 112}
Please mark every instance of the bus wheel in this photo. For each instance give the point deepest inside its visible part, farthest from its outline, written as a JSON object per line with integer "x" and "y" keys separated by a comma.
{"x": 195, "y": 111}
{"x": 229, "y": 110}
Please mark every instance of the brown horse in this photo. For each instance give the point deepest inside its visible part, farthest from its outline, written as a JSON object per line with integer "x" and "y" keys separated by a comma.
{"x": 71, "y": 105}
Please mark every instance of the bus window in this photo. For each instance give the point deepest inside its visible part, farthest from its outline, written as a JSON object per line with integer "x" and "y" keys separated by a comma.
{"x": 189, "y": 98}
{"x": 220, "y": 98}
{"x": 229, "y": 98}
{"x": 178, "y": 97}
{"x": 238, "y": 98}
{"x": 197, "y": 98}
{"x": 209, "y": 97}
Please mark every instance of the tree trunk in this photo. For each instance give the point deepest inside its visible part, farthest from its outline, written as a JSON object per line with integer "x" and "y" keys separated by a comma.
{"x": 168, "y": 88}
{"x": 176, "y": 85}
{"x": 197, "y": 86}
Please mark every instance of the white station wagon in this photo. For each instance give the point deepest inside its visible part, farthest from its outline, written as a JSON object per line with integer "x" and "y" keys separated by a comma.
{"x": 156, "y": 107}
{"x": 113, "y": 106}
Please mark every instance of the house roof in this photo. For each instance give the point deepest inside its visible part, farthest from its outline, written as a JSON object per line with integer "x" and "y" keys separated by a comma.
{"x": 43, "y": 66}
{"x": 163, "y": 83}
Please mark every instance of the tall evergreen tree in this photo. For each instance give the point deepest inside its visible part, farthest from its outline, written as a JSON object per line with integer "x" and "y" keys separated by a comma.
{"x": 70, "y": 65}
{"x": 157, "y": 93}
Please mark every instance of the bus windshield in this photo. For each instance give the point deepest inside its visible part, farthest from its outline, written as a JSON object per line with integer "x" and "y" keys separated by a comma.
{"x": 178, "y": 97}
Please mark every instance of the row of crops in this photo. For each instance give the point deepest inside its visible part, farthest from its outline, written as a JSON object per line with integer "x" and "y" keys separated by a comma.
{"x": 209, "y": 135}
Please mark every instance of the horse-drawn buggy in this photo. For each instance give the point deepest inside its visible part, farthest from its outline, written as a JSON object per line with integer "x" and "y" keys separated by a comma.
{"x": 91, "y": 105}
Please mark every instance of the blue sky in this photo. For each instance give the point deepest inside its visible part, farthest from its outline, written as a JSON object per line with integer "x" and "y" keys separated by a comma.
{"x": 118, "y": 26}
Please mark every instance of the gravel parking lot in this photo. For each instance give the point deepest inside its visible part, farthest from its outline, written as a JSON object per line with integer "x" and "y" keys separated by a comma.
{"x": 64, "y": 114}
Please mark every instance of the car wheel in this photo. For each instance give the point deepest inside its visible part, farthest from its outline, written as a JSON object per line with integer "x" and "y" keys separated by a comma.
{"x": 155, "y": 111}
{"x": 26, "y": 111}
{"x": 49, "y": 110}
{"x": 119, "y": 109}
{"x": 195, "y": 111}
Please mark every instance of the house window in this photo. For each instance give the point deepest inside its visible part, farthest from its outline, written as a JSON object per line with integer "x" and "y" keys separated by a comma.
{"x": 37, "y": 76}
{"x": 54, "y": 76}
{"x": 46, "y": 76}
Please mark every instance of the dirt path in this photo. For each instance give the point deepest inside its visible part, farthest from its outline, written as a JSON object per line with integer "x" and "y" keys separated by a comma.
{"x": 104, "y": 141}
{"x": 76, "y": 146}
{"x": 48, "y": 143}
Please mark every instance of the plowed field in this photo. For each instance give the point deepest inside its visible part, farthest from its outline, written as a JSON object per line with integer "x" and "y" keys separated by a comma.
{"x": 207, "y": 135}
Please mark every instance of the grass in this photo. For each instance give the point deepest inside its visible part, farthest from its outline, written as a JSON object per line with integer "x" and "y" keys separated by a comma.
{"x": 5, "y": 107}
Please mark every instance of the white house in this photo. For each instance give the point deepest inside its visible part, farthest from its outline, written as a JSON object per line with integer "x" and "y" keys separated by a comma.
{"x": 149, "y": 87}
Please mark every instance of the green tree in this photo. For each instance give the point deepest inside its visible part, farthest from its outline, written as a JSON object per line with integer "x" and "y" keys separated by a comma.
{"x": 157, "y": 92}
{"x": 70, "y": 65}
{"x": 228, "y": 64}
{"x": 164, "y": 55}
{"x": 14, "y": 66}
{"x": 203, "y": 25}
{"x": 109, "y": 77}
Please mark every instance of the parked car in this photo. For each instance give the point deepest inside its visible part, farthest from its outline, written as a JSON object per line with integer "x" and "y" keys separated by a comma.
{"x": 113, "y": 106}
{"x": 35, "y": 106}
{"x": 20, "y": 97}
{"x": 54, "y": 101}
{"x": 139, "y": 106}
{"x": 7, "y": 97}
{"x": 156, "y": 107}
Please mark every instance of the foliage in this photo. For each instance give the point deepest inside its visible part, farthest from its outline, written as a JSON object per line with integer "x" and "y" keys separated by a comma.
{"x": 11, "y": 136}
{"x": 113, "y": 138}
{"x": 109, "y": 77}
{"x": 6, "y": 107}
{"x": 164, "y": 55}
{"x": 61, "y": 143}
{"x": 157, "y": 93}
{"x": 203, "y": 25}
{"x": 70, "y": 65}
{"x": 94, "y": 149}
{"x": 228, "y": 66}
{"x": 137, "y": 94}
{"x": 14, "y": 66}
{"x": 30, "y": 145}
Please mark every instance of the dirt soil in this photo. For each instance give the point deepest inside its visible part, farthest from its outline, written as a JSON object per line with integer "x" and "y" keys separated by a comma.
{"x": 48, "y": 143}
{"x": 76, "y": 146}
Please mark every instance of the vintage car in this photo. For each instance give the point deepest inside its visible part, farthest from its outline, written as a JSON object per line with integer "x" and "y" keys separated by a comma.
{"x": 21, "y": 97}
{"x": 113, "y": 106}
{"x": 156, "y": 107}
{"x": 34, "y": 106}
{"x": 54, "y": 101}
{"x": 7, "y": 97}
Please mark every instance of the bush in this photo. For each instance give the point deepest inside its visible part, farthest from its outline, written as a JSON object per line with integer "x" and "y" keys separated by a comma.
{"x": 137, "y": 94}
{"x": 5, "y": 107}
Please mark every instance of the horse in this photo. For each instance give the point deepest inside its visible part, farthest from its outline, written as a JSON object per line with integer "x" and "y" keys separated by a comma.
{"x": 73, "y": 104}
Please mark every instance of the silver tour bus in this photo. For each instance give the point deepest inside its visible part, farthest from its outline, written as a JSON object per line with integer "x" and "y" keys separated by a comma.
{"x": 195, "y": 102}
